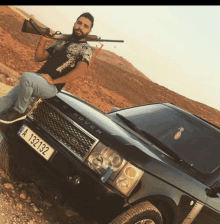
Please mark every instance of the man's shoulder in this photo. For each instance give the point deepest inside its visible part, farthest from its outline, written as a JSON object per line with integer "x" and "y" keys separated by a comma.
{"x": 88, "y": 49}
{"x": 59, "y": 43}
{"x": 81, "y": 46}
{"x": 86, "y": 44}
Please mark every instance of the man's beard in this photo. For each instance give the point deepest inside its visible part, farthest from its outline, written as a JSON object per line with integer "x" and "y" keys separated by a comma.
{"x": 78, "y": 35}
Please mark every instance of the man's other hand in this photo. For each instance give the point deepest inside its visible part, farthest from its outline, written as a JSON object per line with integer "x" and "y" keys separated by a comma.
{"x": 47, "y": 77}
{"x": 45, "y": 38}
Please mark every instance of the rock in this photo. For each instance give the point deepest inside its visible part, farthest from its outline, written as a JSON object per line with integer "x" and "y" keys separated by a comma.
{"x": 8, "y": 186}
{"x": 21, "y": 185}
{"x": 17, "y": 218}
{"x": 28, "y": 200}
{"x": 3, "y": 174}
{"x": 34, "y": 207}
{"x": 23, "y": 194}
{"x": 19, "y": 206}
{"x": 31, "y": 222}
{"x": 70, "y": 212}
{"x": 3, "y": 79}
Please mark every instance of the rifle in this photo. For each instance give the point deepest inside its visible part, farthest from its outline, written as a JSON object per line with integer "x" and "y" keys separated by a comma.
{"x": 30, "y": 26}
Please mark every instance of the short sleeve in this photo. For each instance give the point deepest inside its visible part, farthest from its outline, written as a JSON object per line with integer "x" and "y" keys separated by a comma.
{"x": 85, "y": 54}
{"x": 51, "y": 48}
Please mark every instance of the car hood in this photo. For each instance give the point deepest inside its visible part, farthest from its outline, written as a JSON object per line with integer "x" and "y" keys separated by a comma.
{"x": 190, "y": 138}
{"x": 141, "y": 153}
{"x": 106, "y": 130}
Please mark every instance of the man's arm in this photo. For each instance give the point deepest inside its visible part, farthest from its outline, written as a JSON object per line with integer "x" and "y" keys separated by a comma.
{"x": 41, "y": 54}
{"x": 77, "y": 72}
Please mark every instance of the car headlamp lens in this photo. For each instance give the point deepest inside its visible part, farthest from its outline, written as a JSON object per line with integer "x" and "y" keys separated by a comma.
{"x": 116, "y": 161}
{"x": 128, "y": 179}
{"x": 112, "y": 159}
{"x": 105, "y": 158}
{"x": 95, "y": 161}
{"x": 123, "y": 183}
{"x": 124, "y": 176}
{"x": 130, "y": 172}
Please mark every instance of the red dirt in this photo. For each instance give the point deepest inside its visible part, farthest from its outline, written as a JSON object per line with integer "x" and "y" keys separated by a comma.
{"x": 111, "y": 81}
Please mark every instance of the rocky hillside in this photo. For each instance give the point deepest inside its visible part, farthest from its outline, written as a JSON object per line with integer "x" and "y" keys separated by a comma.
{"x": 111, "y": 81}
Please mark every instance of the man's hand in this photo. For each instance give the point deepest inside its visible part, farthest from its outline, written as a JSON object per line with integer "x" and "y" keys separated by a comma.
{"x": 48, "y": 38}
{"x": 41, "y": 54}
{"x": 48, "y": 78}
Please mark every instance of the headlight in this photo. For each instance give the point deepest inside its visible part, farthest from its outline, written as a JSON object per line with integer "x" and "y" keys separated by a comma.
{"x": 124, "y": 176}
{"x": 112, "y": 159}
{"x": 128, "y": 179}
{"x": 95, "y": 161}
{"x": 101, "y": 160}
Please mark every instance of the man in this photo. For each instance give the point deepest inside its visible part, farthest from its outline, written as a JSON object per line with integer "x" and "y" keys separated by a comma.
{"x": 66, "y": 61}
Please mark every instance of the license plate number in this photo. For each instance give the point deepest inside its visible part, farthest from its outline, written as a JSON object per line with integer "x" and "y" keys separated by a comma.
{"x": 36, "y": 142}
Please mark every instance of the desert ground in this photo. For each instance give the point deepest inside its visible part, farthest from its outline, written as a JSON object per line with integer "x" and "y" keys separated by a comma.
{"x": 110, "y": 81}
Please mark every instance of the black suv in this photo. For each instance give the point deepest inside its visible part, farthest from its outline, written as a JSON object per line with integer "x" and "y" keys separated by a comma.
{"x": 147, "y": 164}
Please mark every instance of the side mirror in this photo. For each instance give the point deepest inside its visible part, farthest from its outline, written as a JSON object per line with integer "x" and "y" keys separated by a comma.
{"x": 214, "y": 190}
{"x": 211, "y": 193}
{"x": 114, "y": 109}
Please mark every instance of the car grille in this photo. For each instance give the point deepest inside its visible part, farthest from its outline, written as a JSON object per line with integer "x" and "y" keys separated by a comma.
{"x": 74, "y": 137}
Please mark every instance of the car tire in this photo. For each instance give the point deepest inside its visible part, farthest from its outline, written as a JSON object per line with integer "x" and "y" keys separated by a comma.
{"x": 6, "y": 161}
{"x": 143, "y": 213}
{"x": 4, "y": 155}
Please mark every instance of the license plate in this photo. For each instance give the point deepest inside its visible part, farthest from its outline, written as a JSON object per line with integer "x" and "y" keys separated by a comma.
{"x": 36, "y": 142}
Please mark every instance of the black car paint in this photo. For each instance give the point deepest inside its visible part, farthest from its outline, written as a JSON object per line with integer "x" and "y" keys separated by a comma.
{"x": 164, "y": 179}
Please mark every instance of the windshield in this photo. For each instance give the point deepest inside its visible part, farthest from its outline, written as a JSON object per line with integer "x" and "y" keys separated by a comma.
{"x": 192, "y": 139}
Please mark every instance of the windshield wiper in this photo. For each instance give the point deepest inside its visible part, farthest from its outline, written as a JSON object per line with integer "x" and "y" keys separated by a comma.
{"x": 126, "y": 121}
{"x": 158, "y": 143}
{"x": 149, "y": 137}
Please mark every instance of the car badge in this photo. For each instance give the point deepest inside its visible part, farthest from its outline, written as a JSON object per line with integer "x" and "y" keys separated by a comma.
{"x": 179, "y": 133}
{"x": 74, "y": 141}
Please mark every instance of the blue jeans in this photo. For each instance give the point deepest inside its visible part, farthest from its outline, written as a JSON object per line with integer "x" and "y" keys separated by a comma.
{"x": 30, "y": 84}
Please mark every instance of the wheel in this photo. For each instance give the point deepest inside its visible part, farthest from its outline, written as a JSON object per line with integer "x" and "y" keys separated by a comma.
{"x": 143, "y": 213}
{"x": 6, "y": 161}
{"x": 4, "y": 155}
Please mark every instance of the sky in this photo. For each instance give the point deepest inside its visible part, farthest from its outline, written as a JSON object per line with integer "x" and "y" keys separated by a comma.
{"x": 177, "y": 47}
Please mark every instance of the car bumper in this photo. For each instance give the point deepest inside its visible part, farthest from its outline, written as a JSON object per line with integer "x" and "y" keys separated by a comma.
{"x": 66, "y": 170}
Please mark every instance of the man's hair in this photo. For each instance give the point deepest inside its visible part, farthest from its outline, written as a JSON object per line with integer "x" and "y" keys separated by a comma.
{"x": 88, "y": 16}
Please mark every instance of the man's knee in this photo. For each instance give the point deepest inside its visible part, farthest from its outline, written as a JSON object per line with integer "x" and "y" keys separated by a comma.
{"x": 25, "y": 78}
{"x": 25, "y": 75}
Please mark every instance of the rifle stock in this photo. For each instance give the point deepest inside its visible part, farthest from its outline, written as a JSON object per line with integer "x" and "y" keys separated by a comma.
{"x": 29, "y": 26}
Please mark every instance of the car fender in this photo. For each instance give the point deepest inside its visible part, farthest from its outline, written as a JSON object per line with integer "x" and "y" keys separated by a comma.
{"x": 153, "y": 189}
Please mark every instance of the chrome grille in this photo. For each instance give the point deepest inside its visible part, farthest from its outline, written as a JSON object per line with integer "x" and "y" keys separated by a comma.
{"x": 74, "y": 137}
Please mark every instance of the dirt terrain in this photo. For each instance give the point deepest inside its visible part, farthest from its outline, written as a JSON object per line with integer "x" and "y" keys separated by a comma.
{"x": 111, "y": 81}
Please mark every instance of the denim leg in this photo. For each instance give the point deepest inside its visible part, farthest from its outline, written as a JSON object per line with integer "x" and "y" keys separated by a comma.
{"x": 33, "y": 85}
{"x": 9, "y": 100}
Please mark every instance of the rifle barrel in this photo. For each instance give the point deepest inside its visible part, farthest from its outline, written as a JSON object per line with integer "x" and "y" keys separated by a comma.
{"x": 106, "y": 40}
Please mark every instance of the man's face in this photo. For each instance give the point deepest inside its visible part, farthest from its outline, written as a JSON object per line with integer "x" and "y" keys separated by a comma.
{"x": 82, "y": 27}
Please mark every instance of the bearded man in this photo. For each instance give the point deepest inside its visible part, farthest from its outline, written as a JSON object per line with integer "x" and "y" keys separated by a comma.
{"x": 65, "y": 61}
